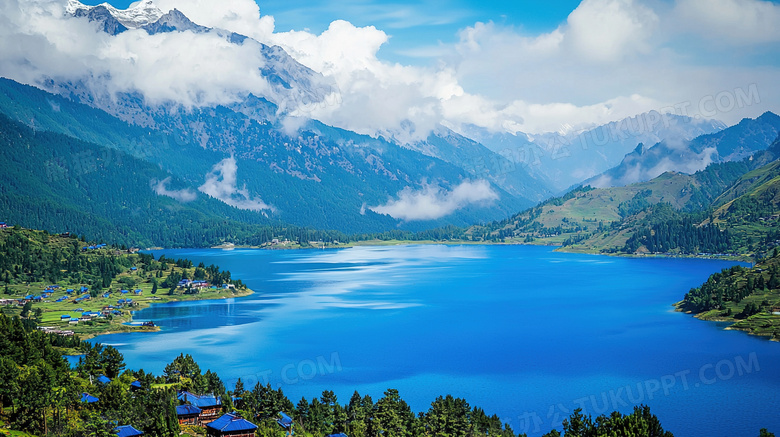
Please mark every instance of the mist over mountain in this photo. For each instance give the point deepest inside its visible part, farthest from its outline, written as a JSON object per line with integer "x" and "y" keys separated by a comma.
{"x": 565, "y": 159}
{"x": 689, "y": 156}
{"x": 251, "y": 119}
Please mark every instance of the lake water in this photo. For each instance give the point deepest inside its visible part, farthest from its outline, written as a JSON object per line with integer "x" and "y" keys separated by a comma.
{"x": 524, "y": 332}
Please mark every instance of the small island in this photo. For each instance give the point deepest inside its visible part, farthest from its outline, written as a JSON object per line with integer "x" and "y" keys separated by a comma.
{"x": 69, "y": 286}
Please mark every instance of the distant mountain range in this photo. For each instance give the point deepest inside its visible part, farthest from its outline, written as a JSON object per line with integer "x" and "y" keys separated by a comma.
{"x": 255, "y": 162}
{"x": 739, "y": 197}
{"x": 310, "y": 174}
{"x": 565, "y": 159}
{"x": 734, "y": 143}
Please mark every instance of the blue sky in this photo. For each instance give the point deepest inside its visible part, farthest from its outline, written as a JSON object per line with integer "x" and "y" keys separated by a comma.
{"x": 506, "y": 66}
{"x": 414, "y": 27}
{"x": 419, "y": 24}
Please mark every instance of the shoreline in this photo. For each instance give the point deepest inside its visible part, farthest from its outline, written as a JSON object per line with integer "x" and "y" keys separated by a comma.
{"x": 122, "y": 327}
{"x": 704, "y": 317}
{"x": 119, "y": 323}
{"x": 558, "y": 248}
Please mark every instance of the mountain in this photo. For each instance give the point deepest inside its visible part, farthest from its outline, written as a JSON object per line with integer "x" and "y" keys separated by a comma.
{"x": 291, "y": 85}
{"x": 322, "y": 177}
{"x": 295, "y": 170}
{"x": 482, "y": 162}
{"x": 565, "y": 159}
{"x": 587, "y": 211}
{"x": 624, "y": 218}
{"x": 139, "y": 14}
{"x": 733, "y": 143}
{"x": 56, "y": 182}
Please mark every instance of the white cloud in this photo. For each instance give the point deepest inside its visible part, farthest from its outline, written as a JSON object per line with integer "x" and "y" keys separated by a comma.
{"x": 610, "y": 30}
{"x": 221, "y": 184}
{"x": 731, "y": 22}
{"x": 238, "y": 16}
{"x": 39, "y": 41}
{"x": 374, "y": 97}
{"x": 432, "y": 202}
{"x": 161, "y": 188}
{"x": 608, "y": 60}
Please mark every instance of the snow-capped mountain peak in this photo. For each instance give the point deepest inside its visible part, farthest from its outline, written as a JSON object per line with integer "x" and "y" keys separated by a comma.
{"x": 139, "y": 14}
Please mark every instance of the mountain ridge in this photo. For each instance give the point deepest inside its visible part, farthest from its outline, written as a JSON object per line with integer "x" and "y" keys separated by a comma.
{"x": 730, "y": 144}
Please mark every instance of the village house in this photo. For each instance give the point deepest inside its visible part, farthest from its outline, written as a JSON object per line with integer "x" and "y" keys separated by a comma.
{"x": 231, "y": 424}
{"x": 285, "y": 422}
{"x": 127, "y": 431}
{"x": 103, "y": 379}
{"x": 210, "y": 405}
{"x": 188, "y": 414}
{"x": 87, "y": 398}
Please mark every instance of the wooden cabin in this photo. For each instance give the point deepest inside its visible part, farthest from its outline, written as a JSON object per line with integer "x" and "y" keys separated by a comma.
{"x": 231, "y": 425}
{"x": 188, "y": 414}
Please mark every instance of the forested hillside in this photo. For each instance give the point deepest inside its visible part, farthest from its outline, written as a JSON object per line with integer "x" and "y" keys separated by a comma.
{"x": 605, "y": 219}
{"x": 727, "y": 208}
{"x": 749, "y": 297}
{"x": 318, "y": 176}
{"x": 55, "y": 182}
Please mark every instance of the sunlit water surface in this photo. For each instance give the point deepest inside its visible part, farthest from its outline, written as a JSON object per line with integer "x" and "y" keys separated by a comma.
{"x": 524, "y": 332}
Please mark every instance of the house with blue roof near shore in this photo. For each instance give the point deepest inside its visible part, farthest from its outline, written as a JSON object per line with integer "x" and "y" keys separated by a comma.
{"x": 231, "y": 424}
{"x": 210, "y": 405}
{"x": 188, "y": 414}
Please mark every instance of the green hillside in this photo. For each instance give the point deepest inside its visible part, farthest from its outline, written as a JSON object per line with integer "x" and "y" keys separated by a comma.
{"x": 47, "y": 276}
{"x": 749, "y": 298}
{"x": 604, "y": 219}
{"x": 319, "y": 176}
{"x": 56, "y": 182}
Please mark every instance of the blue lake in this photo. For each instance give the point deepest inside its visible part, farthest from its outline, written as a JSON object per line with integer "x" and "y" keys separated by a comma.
{"x": 523, "y": 332}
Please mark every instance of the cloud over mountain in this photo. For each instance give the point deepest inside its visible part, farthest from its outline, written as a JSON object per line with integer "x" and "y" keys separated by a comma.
{"x": 432, "y": 202}
{"x": 161, "y": 188}
{"x": 221, "y": 184}
{"x": 608, "y": 60}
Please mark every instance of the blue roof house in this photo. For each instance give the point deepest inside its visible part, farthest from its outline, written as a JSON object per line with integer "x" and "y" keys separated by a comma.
{"x": 188, "y": 414}
{"x": 285, "y": 421}
{"x": 103, "y": 379}
{"x": 88, "y": 398}
{"x": 231, "y": 424}
{"x": 210, "y": 405}
{"x": 127, "y": 431}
